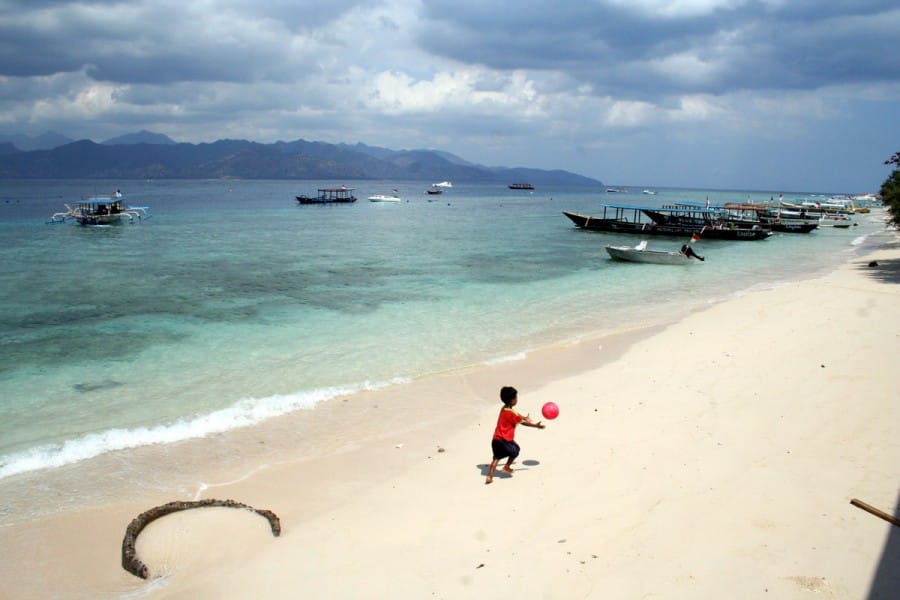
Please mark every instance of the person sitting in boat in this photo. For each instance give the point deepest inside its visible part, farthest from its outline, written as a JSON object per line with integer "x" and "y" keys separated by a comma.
{"x": 688, "y": 251}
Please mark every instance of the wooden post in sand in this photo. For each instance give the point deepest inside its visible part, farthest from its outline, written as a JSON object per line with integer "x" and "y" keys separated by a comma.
{"x": 878, "y": 513}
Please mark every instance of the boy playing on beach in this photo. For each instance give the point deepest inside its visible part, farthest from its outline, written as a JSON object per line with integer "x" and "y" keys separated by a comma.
{"x": 504, "y": 444}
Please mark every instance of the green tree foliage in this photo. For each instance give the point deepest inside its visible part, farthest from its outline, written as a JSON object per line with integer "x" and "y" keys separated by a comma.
{"x": 890, "y": 190}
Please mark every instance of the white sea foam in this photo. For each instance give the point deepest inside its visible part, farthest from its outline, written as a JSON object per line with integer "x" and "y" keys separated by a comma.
{"x": 507, "y": 359}
{"x": 859, "y": 241}
{"x": 243, "y": 413}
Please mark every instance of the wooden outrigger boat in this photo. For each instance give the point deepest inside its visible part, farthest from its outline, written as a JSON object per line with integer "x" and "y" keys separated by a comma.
{"x": 770, "y": 217}
{"x": 101, "y": 210}
{"x": 679, "y": 222}
{"x": 828, "y": 214}
{"x": 743, "y": 215}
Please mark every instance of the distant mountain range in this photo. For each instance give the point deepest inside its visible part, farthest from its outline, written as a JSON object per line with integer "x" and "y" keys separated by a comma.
{"x": 51, "y": 140}
{"x": 147, "y": 155}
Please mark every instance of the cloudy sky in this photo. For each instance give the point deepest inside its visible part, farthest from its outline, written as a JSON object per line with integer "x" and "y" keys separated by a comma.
{"x": 793, "y": 95}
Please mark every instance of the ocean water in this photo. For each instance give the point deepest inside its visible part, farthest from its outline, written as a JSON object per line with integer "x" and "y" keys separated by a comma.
{"x": 233, "y": 304}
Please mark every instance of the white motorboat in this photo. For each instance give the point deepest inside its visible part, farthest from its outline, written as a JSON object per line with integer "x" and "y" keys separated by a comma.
{"x": 383, "y": 198}
{"x": 836, "y": 220}
{"x": 641, "y": 254}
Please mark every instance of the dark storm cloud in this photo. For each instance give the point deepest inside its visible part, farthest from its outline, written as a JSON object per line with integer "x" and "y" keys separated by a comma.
{"x": 158, "y": 42}
{"x": 621, "y": 49}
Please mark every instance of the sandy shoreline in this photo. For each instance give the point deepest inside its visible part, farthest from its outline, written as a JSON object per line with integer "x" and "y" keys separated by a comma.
{"x": 713, "y": 457}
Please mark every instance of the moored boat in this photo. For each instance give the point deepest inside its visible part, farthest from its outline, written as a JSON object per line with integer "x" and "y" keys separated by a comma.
{"x": 766, "y": 216}
{"x": 437, "y": 189}
{"x": 640, "y": 254}
{"x": 836, "y": 220}
{"x": 340, "y": 195}
{"x": 683, "y": 222}
{"x": 101, "y": 210}
{"x": 521, "y": 186}
{"x": 788, "y": 226}
{"x": 818, "y": 210}
{"x": 384, "y": 198}
{"x": 788, "y": 217}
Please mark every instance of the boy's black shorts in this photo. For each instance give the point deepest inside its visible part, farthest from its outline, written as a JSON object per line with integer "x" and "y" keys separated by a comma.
{"x": 503, "y": 449}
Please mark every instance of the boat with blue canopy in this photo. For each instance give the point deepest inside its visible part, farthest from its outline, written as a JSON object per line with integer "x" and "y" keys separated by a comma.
{"x": 669, "y": 221}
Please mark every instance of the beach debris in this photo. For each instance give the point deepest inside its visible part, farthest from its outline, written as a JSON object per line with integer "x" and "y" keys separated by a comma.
{"x": 873, "y": 263}
{"x": 441, "y": 449}
{"x": 134, "y": 565}
{"x": 480, "y": 565}
{"x": 878, "y": 513}
{"x": 398, "y": 446}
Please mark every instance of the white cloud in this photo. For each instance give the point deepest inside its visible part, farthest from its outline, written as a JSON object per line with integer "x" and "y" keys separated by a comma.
{"x": 686, "y": 68}
{"x": 677, "y": 8}
{"x": 684, "y": 110}
{"x": 473, "y": 90}
{"x": 700, "y": 108}
{"x": 630, "y": 113}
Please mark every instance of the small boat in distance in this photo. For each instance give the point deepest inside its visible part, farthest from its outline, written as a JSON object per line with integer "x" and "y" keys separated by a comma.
{"x": 649, "y": 192}
{"x": 101, "y": 210}
{"x": 339, "y": 195}
{"x": 521, "y": 186}
{"x": 616, "y": 190}
{"x": 383, "y": 198}
{"x": 640, "y": 254}
{"x": 442, "y": 184}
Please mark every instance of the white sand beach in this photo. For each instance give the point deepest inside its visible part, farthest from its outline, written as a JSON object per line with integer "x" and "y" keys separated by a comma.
{"x": 713, "y": 457}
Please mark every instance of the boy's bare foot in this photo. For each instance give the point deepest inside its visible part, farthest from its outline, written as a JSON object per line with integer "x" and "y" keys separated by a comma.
{"x": 508, "y": 469}
{"x": 488, "y": 480}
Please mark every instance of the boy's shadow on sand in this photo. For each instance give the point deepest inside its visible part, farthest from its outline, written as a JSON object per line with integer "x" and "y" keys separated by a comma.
{"x": 530, "y": 463}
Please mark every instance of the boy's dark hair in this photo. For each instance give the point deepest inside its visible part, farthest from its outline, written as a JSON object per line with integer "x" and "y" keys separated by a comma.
{"x": 508, "y": 394}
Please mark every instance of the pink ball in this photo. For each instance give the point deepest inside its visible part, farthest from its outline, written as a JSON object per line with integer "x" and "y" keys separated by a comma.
{"x": 550, "y": 410}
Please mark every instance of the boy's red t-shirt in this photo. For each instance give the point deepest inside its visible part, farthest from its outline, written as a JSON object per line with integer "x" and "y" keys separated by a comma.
{"x": 506, "y": 424}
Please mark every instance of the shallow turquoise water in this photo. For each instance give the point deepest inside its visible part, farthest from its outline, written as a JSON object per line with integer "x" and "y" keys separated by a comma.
{"x": 234, "y": 304}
